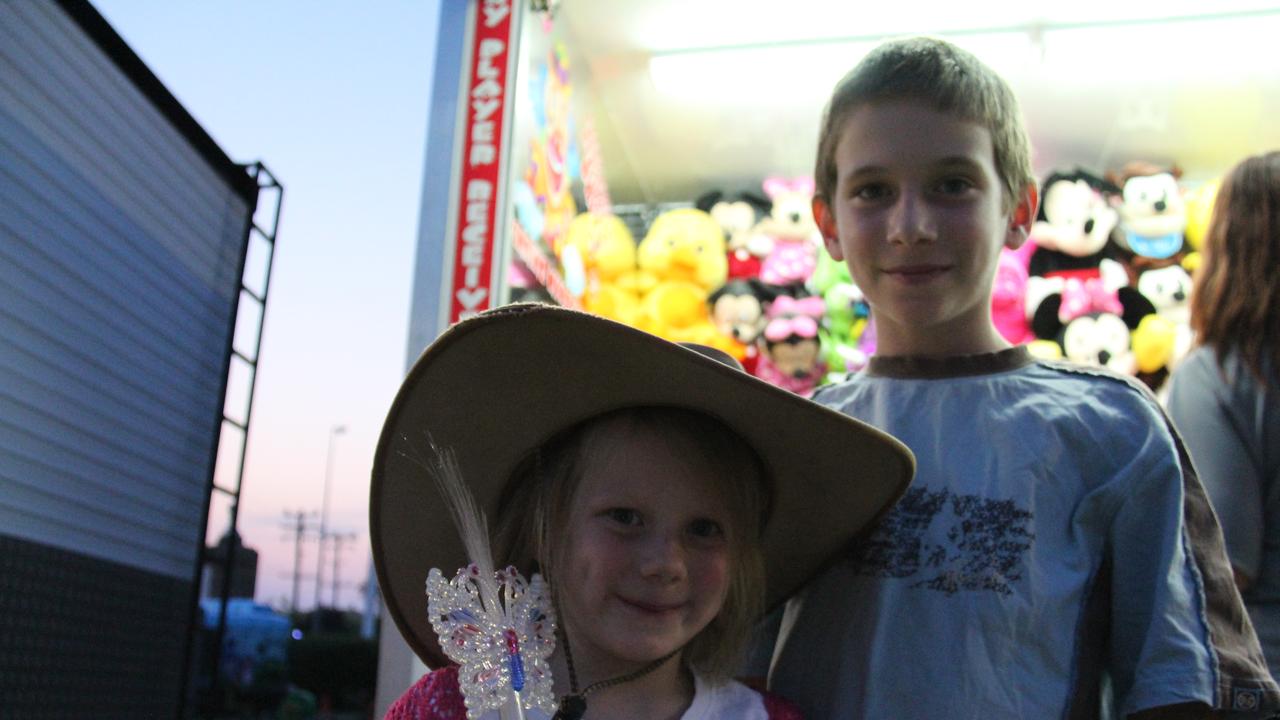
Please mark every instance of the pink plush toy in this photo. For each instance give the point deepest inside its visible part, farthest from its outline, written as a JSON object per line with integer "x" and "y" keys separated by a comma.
{"x": 791, "y": 356}
{"x": 794, "y": 233}
{"x": 1009, "y": 297}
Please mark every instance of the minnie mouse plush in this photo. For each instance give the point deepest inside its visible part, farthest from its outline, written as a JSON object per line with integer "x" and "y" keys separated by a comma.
{"x": 794, "y": 233}
{"x": 1093, "y": 324}
{"x": 791, "y": 356}
{"x": 1072, "y": 236}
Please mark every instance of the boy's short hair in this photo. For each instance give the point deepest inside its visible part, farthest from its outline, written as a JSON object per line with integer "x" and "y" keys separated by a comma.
{"x": 542, "y": 490}
{"x": 949, "y": 79}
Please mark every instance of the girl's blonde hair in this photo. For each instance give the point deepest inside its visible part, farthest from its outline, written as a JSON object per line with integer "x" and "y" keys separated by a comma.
{"x": 530, "y": 524}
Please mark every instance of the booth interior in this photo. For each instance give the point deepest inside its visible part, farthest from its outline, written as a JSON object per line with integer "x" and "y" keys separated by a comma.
{"x": 662, "y": 168}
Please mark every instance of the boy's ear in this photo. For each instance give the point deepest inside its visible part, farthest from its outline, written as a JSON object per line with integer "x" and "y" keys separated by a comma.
{"x": 826, "y": 222}
{"x": 1022, "y": 217}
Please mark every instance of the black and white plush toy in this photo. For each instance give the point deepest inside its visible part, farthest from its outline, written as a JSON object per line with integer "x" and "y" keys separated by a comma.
{"x": 1072, "y": 236}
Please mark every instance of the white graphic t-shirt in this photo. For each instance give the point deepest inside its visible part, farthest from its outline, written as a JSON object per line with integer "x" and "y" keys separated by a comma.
{"x": 1051, "y": 547}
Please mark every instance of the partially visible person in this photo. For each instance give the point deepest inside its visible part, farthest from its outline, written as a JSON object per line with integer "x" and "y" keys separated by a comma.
{"x": 1225, "y": 396}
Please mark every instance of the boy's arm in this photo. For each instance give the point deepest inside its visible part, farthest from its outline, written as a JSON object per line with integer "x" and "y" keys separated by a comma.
{"x": 1179, "y": 629}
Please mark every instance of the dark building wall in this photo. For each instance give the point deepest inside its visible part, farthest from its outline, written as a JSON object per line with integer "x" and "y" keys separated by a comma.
{"x": 122, "y": 238}
{"x": 86, "y": 638}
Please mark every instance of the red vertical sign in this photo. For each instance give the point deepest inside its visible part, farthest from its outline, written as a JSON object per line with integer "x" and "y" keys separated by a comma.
{"x": 482, "y": 159}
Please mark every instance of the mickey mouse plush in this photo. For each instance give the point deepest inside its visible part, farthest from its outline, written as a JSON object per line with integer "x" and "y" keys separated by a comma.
{"x": 738, "y": 216}
{"x": 1153, "y": 217}
{"x": 738, "y": 310}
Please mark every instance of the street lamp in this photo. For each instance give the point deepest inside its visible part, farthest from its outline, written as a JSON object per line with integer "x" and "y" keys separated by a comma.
{"x": 334, "y": 431}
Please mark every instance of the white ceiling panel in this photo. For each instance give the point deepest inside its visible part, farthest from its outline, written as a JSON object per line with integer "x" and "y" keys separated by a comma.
{"x": 737, "y": 88}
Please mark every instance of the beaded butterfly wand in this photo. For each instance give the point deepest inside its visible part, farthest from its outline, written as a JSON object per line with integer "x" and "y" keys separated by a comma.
{"x": 499, "y": 628}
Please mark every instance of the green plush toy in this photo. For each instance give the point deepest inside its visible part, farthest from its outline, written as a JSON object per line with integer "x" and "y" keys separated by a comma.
{"x": 846, "y": 317}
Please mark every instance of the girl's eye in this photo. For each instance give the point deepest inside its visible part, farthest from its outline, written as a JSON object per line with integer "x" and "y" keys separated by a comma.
{"x": 623, "y": 516}
{"x": 706, "y": 528}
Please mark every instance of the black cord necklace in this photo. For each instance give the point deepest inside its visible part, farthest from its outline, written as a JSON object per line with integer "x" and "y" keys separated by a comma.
{"x": 574, "y": 705}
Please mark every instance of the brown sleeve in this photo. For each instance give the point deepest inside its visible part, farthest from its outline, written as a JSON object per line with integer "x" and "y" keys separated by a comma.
{"x": 1244, "y": 683}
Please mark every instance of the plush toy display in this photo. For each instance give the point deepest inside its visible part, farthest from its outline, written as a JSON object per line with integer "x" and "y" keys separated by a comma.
{"x": 528, "y": 211}
{"x": 1009, "y": 298}
{"x": 1152, "y": 215}
{"x": 1152, "y": 219}
{"x": 847, "y": 315}
{"x": 1104, "y": 280}
{"x": 1153, "y": 344}
{"x": 738, "y": 311}
{"x": 685, "y": 244}
{"x": 1092, "y": 324}
{"x": 1071, "y": 236}
{"x": 1199, "y": 208}
{"x": 738, "y": 216}
{"x": 1169, "y": 290}
{"x": 791, "y": 356}
{"x": 791, "y": 229}
{"x": 684, "y": 252}
{"x": 599, "y": 250}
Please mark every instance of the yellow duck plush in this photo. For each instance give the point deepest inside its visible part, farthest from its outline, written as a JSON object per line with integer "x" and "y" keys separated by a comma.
{"x": 602, "y": 246}
{"x": 684, "y": 254}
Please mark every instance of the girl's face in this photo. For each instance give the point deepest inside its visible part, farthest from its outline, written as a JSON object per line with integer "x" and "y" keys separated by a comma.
{"x": 646, "y": 562}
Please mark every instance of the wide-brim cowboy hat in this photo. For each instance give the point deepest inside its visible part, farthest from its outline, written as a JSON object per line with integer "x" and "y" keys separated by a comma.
{"x": 497, "y": 386}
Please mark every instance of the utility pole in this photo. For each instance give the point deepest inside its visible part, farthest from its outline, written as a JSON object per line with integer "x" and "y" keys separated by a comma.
{"x": 334, "y": 431}
{"x": 339, "y": 539}
{"x": 296, "y": 522}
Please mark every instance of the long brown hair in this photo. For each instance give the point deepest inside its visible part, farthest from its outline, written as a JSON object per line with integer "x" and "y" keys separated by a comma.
{"x": 1235, "y": 305}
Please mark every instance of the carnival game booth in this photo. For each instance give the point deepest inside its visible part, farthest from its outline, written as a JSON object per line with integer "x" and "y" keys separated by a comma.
{"x": 652, "y": 162}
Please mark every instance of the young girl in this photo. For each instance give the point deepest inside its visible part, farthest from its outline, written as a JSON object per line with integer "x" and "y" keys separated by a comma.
{"x": 666, "y": 498}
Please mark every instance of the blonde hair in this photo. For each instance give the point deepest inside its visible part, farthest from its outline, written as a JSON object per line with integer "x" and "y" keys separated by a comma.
{"x": 536, "y": 509}
{"x": 946, "y": 78}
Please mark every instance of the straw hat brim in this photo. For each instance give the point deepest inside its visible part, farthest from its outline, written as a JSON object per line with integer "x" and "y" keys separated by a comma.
{"x": 496, "y": 386}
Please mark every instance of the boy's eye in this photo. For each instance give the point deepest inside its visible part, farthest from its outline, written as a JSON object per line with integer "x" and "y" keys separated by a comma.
{"x": 870, "y": 191}
{"x": 706, "y": 528}
{"x": 623, "y": 516}
{"x": 954, "y": 186}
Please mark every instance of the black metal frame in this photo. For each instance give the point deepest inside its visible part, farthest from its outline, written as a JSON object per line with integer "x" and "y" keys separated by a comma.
{"x": 265, "y": 181}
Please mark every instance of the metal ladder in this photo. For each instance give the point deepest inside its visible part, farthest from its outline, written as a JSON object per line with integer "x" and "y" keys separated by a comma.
{"x": 264, "y": 232}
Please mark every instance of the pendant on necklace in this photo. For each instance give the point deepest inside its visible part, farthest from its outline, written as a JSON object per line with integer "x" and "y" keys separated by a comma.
{"x": 572, "y": 707}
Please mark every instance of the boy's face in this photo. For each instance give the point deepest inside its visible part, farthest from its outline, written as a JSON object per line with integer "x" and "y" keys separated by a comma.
{"x": 917, "y": 213}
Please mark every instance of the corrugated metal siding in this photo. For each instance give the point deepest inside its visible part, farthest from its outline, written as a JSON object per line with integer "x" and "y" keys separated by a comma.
{"x": 119, "y": 252}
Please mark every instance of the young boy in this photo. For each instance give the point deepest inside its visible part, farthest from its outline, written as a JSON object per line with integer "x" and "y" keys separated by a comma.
{"x": 1056, "y": 556}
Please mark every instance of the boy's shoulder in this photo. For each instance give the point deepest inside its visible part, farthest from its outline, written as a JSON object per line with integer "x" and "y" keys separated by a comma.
{"x": 1062, "y": 399}
{"x": 1017, "y": 375}
{"x": 1105, "y": 379}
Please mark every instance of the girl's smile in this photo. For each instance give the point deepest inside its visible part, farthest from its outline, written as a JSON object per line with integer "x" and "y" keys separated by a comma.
{"x": 645, "y": 566}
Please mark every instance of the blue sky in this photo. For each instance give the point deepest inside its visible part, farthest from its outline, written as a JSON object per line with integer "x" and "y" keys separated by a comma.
{"x": 332, "y": 97}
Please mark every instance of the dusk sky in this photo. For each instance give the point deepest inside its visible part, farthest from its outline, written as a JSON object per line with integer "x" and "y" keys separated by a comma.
{"x": 332, "y": 97}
